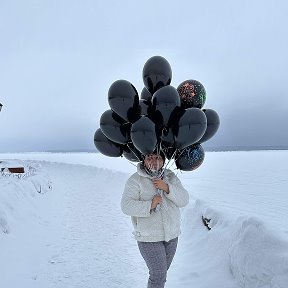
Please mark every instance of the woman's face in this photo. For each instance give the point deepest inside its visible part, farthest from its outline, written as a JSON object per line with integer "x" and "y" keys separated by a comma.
{"x": 154, "y": 162}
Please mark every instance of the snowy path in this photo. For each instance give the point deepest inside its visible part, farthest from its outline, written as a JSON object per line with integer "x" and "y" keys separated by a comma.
{"x": 93, "y": 250}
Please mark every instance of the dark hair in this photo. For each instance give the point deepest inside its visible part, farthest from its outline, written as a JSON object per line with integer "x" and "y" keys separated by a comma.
{"x": 161, "y": 153}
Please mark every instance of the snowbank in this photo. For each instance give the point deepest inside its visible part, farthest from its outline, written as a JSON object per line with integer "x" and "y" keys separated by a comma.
{"x": 236, "y": 252}
{"x": 17, "y": 193}
{"x": 258, "y": 254}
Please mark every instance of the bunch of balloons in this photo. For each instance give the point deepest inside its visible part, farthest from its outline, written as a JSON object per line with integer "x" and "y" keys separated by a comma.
{"x": 163, "y": 118}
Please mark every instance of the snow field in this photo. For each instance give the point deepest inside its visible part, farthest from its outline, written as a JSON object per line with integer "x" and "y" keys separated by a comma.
{"x": 75, "y": 235}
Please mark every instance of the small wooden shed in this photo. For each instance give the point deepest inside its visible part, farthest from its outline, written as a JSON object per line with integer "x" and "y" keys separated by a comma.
{"x": 12, "y": 166}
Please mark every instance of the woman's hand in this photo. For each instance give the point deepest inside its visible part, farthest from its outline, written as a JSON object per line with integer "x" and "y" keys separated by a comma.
{"x": 155, "y": 201}
{"x": 161, "y": 184}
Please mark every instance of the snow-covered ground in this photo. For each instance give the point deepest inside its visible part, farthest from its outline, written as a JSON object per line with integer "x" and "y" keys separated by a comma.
{"x": 62, "y": 226}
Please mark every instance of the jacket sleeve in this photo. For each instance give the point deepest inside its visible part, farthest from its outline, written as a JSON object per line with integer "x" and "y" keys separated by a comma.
{"x": 177, "y": 193}
{"x": 130, "y": 203}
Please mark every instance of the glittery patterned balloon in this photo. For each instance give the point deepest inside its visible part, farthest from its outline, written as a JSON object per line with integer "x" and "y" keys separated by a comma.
{"x": 190, "y": 158}
{"x": 192, "y": 94}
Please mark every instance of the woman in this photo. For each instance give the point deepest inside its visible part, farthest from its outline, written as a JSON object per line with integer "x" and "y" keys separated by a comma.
{"x": 152, "y": 197}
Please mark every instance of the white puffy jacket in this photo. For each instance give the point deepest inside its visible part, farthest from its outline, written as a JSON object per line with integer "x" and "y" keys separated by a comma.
{"x": 162, "y": 225}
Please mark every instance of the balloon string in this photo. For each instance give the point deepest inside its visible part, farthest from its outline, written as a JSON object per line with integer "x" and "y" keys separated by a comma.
{"x": 133, "y": 153}
{"x": 132, "y": 163}
{"x": 171, "y": 166}
{"x": 179, "y": 154}
{"x": 172, "y": 157}
{"x": 159, "y": 176}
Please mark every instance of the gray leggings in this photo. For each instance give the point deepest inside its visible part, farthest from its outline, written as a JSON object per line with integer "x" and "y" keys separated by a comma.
{"x": 158, "y": 257}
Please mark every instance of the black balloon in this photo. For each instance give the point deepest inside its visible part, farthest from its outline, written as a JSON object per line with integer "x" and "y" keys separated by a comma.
{"x": 190, "y": 128}
{"x": 190, "y": 158}
{"x": 165, "y": 101}
{"x": 143, "y": 135}
{"x": 106, "y": 146}
{"x": 145, "y": 94}
{"x": 157, "y": 73}
{"x": 169, "y": 152}
{"x": 145, "y": 106}
{"x": 114, "y": 127}
{"x": 131, "y": 153}
{"x": 213, "y": 123}
{"x": 192, "y": 94}
{"x": 123, "y": 100}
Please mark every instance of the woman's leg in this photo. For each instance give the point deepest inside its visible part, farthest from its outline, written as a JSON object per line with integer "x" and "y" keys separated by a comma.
{"x": 170, "y": 249}
{"x": 154, "y": 255}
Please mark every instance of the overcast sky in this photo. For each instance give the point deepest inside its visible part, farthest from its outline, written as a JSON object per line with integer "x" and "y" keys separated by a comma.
{"x": 58, "y": 59}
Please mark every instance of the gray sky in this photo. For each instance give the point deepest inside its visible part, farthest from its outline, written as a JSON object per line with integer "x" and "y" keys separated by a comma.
{"x": 58, "y": 59}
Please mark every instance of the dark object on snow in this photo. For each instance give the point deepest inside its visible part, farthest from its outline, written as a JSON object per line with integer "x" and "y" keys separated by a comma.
{"x": 206, "y": 222}
{"x": 16, "y": 170}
